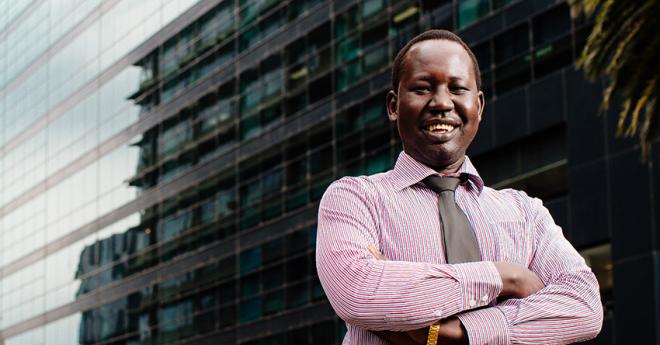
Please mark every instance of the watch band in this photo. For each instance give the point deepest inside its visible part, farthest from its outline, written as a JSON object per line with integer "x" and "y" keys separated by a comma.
{"x": 434, "y": 331}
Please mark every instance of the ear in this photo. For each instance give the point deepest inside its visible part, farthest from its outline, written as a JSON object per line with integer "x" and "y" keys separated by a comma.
{"x": 482, "y": 102}
{"x": 391, "y": 104}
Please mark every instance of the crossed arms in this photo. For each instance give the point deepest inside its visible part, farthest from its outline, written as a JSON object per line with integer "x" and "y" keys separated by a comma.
{"x": 553, "y": 300}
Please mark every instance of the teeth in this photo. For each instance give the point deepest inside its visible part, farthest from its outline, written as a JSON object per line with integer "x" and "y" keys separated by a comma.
{"x": 439, "y": 126}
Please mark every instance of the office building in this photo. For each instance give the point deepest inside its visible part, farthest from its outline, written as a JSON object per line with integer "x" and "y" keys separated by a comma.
{"x": 162, "y": 161}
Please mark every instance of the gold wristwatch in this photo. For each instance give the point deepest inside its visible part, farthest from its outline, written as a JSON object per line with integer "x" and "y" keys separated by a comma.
{"x": 434, "y": 331}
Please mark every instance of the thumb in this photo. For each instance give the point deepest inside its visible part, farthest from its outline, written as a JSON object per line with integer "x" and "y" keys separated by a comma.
{"x": 377, "y": 254}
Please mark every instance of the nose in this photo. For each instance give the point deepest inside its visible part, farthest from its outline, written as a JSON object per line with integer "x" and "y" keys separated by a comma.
{"x": 441, "y": 100}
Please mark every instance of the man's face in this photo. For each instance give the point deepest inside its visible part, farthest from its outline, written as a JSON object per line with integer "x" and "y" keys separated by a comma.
{"x": 437, "y": 106}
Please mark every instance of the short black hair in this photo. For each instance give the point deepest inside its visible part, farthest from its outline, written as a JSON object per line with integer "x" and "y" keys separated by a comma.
{"x": 434, "y": 34}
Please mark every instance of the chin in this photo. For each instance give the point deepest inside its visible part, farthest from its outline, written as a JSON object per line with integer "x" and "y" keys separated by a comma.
{"x": 442, "y": 159}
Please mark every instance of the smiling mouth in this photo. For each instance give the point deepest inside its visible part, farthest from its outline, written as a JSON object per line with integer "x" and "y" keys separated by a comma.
{"x": 439, "y": 128}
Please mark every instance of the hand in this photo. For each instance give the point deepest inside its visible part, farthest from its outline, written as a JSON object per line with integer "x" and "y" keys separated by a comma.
{"x": 376, "y": 254}
{"x": 397, "y": 338}
{"x": 519, "y": 282}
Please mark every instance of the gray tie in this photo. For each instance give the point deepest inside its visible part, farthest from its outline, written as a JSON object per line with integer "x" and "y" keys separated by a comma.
{"x": 457, "y": 234}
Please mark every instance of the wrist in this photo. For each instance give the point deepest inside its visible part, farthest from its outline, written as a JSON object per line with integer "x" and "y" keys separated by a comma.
{"x": 509, "y": 279}
{"x": 452, "y": 332}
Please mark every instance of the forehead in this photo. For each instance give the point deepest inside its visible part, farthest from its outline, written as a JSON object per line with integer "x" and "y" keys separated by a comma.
{"x": 438, "y": 55}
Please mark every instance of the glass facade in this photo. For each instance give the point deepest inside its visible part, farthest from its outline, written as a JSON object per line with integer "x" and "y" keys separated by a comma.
{"x": 162, "y": 160}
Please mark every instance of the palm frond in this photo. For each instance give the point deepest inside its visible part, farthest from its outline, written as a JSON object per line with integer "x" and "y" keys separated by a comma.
{"x": 624, "y": 47}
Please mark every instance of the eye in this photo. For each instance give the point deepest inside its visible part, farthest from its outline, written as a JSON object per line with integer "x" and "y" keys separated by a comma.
{"x": 421, "y": 89}
{"x": 459, "y": 89}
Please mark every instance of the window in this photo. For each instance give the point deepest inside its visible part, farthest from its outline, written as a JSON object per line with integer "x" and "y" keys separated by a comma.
{"x": 297, "y": 7}
{"x": 346, "y": 22}
{"x": 271, "y": 115}
{"x": 173, "y": 138}
{"x": 270, "y": 24}
{"x": 250, "y": 310}
{"x": 552, "y": 41}
{"x": 511, "y": 44}
{"x": 250, "y": 194}
{"x": 173, "y": 226}
{"x": 273, "y": 277}
{"x": 219, "y": 24}
{"x": 273, "y": 302}
{"x": 349, "y": 148}
{"x": 297, "y": 76}
{"x": 349, "y": 74}
{"x": 371, "y": 7}
{"x": 378, "y": 162}
{"x": 248, "y": 38}
{"x": 249, "y": 11}
{"x": 250, "y": 127}
{"x": 319, "y": 53}
{"x": 298, "y": 336}
{"x": 372, "y": 114}
{"x": 320, "y": 88}
{"x": 227, "y": 316}
{"x": 227, "y": 293}
{"x": 297, "y": 295}
{"x": 551, "y": 25}
{"x": 324, "y": 330}
{"x": 176, "y": 320}
{"x": 348, "y": 49}
{"x": 599, "y": 258}
{"x": 226, "y": 202}
{"x": 250, "y": 259}
{"x": 512, "y": 59}
{"x": 272, "y": 185}
{"x": 483, "y": 54}
{"x": 470, "y": 11}
{"x": 296, "y": 242}
{"x": 500, "y": 3}
{"x": 169, "y": 58}
{"x": 376, "y": 58}
{"x": 205, "y": 313}
{"x": 553, "y": 56}
{"x": 250, "y": 285}
{"x": 272, "y": 251}
{"x": 250, "y": 91}
{"x": 215, "y": 112}
{"x": 320, "y": 160}
{"x": 430, "y": 5}
{"x": 295, "y": 51}
{"x": 272, "y": 84}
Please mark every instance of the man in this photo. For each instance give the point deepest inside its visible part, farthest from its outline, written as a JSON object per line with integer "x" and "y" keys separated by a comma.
{"x": 527, "y": 284}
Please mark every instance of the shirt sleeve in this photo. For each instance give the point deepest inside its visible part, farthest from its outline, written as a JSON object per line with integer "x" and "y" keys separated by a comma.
{"x": 387, "y": 295}
{"x": 567, "y": 310}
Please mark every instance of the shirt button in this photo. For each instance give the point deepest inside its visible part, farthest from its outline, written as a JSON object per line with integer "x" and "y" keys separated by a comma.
{"x": 473, "y": 303}
{"x": 484, "y": 298}
{"x": 438, "y": 313}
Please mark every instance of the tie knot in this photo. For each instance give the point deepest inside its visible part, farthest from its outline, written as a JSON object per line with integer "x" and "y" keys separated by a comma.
{"x": 442, "y": 183}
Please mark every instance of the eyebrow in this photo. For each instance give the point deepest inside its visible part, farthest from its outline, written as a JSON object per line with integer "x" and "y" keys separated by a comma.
{"x": 424, "y": 77}
{"x": 427, "y": 77}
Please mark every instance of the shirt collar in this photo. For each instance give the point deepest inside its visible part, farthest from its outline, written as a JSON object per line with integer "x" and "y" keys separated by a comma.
{"x": 407, "y": 172}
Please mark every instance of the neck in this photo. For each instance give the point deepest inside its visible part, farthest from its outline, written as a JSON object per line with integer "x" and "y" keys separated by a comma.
{"x": 450, "y": 168}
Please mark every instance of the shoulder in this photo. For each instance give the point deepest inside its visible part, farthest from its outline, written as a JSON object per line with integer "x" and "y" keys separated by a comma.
{"x": 362, "y": 187}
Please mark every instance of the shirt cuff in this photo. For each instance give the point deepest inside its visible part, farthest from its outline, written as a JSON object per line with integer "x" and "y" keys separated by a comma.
{"x": 486, "y": 326}
{"x": 480, "y": 283}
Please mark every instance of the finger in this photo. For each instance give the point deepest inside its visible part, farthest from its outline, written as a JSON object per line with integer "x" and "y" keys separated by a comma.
{"x": 378, "y": 255}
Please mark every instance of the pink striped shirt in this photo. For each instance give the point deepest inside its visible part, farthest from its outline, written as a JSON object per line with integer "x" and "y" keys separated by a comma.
{"x": 399, "y": 216}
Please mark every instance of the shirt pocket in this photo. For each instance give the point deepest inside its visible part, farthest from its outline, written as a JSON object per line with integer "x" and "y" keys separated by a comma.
{"x": 514, "y": 241}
